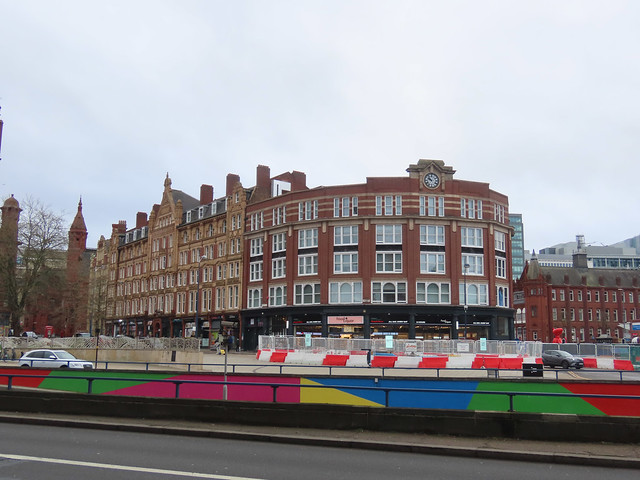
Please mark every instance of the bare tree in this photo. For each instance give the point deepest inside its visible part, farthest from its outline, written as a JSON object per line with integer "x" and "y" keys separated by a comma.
{"x": 41, "y": 251}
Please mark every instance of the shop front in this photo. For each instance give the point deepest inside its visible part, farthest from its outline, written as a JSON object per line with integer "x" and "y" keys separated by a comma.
{"x": 433, "y": 329}
{"x": 345, "y": 326}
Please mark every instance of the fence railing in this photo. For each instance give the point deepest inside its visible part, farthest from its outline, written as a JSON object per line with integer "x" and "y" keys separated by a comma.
{"x": 387, "y": 391}
{"x": 618, "y": 351}
{"x": 102, "y": 342}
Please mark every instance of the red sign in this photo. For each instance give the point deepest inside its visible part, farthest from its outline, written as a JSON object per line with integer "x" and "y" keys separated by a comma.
{"x": 346, "y": 320}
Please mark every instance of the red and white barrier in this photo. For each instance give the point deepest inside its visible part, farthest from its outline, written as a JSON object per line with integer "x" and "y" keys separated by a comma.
{"x": 361, "y": 359}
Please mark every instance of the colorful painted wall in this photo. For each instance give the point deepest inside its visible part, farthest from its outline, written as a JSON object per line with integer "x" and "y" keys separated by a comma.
{"x": 461, "y": 395}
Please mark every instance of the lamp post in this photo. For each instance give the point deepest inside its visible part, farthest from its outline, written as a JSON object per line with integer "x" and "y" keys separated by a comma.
{"x": 466, "y": 267}
{"x": 203, "y": 257}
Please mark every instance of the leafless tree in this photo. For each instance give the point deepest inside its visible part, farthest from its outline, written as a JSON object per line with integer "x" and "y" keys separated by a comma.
{"x": 41, "y": 251}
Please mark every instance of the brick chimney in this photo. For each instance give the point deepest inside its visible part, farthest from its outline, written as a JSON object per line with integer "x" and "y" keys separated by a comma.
{"x": 298, "y": 181}
{"x": 232, "y": 180}
{"x": 206, "y": 194}
{"x": 141, "y": 220}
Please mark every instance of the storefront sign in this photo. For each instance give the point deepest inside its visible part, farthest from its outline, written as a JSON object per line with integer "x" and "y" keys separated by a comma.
{"x": 346, "y": 320}
{"x": 411, "y": 347}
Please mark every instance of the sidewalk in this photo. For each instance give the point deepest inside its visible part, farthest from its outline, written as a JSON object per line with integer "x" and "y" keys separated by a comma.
{"x": 596, "y": 454}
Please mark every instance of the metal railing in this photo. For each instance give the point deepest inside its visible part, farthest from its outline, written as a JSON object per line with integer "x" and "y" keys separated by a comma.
{"x": 619, "y": 351}
{"x": 511, "y": 395}
{"x": 103, "y": 343}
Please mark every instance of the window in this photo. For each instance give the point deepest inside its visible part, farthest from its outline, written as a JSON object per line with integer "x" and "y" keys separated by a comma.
{"x": 500, "y": 241}
{"x": 308, "y": 264}
{"x": 476, "y": 294}
{"x": 475, "y": 262}
{"x": 278, "y": 268}
{"x": 389, "y": 262}
{"x": 388, "y": 234}
{"x": 471, "y": 237}
{"x": 307, "y": 294}
{"x": 277, "y": 296}
{"x": 308, "y": 210}
{"x": 254, "y": 298}
{"x": 502, "y": 296}
{"x": 346, "y": 235}
{"x": 279, "y": 242}
{"x": 345, "y": 207}
{"x": 501, "y": 267}
{"x": 279, "y": 215}
{"x": 389, "y": 292}
{"x": 388, "y": 205}
{"x": 571, "y": 295}
{"x": 470, "y": 208}
{"x": 308, "y": 238}
{"x": 255, "y": 271}
{"x": 499, "y": 213}
{"x": 562, "y": 295}
{"x": 432, "y": 262}
{"x": 345, "y": 292}
{"x": 345, "y": 262}
{"x": 432, "y": 206}
{"x": 431, "y": 235}
{"x": 579, "y": 295}
{"x": 597, "y": 294}
{"x": 257, "y": 221}
{"x": 432, "y": 292}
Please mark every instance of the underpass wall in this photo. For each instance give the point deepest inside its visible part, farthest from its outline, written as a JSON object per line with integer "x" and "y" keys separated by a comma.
{"x": 532, "y": 426}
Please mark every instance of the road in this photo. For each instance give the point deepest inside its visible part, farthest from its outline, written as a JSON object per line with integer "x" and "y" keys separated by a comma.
{"x": 52, "y": 453}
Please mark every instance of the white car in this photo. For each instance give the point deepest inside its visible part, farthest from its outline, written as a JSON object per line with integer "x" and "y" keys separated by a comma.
{"x": 52, "y": 359}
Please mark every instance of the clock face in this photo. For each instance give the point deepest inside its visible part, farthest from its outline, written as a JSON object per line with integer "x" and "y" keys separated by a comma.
{"x": 431, "y": 180}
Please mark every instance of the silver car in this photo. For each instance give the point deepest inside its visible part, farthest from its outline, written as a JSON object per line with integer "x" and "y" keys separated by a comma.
{"x": 52, "y": 359}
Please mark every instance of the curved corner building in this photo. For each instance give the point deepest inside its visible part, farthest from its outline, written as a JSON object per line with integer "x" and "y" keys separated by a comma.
{"x": 424, "y": 256}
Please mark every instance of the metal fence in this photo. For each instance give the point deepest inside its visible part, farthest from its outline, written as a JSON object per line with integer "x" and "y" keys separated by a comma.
{"x": 619, "y": 351}
{"x": 102, "y": 342}
{"x": 407, "y": 347}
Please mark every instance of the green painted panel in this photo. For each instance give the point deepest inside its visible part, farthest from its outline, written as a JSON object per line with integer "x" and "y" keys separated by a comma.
{"x": 99, "y": 386}
{"x": 531, "y": 404}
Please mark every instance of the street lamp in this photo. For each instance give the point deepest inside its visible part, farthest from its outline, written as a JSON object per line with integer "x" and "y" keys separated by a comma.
{"x": 203, "y": 257}
{"x": 466, "y": 267}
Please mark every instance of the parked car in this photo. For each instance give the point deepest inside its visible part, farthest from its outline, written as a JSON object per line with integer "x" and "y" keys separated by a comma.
{"x": 560, "y": 358}
{"x": 52, "y": 359}
{"x": 29, "y": 334}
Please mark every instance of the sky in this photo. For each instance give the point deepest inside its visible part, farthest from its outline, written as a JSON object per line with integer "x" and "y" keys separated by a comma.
{"x": 540, "y": 99}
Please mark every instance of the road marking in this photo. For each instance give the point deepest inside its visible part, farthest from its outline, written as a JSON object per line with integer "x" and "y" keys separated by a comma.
{"x": 158, "y": 471}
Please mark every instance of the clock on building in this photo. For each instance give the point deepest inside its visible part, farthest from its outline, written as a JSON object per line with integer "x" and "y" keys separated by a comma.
{"x": 431, "y": 180}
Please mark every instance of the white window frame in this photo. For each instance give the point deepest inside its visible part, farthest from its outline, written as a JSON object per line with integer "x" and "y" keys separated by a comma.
{"x": 279, "y": 242}
{"x": 308, "y": 238}
{"x": 432, "y": 262}
{"x": 308, "y": 264}
{"x": 432, "y": 235}
{"x": 277, "y": 295}
{"x": 345, "y": 235}
{"x": 345, "y": 262}
{"x": 255, "y": 271}
{"x": 380, "y": 293}
{"x": 301, "y": 294}
{"x": 345, "y": 292}
{"x": 475, "y": 262}
{"x": 389, "y": 234}
{"x": 388, "y": 262}
{"x": 279, "y": 267}
{"x": 471, "y": 237}
{"x": 427, "y": 292}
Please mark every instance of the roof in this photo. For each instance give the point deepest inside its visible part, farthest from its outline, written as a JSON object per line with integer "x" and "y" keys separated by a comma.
{"x": 591, "y": 277}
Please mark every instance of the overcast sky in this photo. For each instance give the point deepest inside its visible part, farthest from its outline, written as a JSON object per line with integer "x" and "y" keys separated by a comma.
{"x": 540, "y": 99}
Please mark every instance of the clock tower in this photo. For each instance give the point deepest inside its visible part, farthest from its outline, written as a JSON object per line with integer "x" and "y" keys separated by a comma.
{"x": 433, "y": 174}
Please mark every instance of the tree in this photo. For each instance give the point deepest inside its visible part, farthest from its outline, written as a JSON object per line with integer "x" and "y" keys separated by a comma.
{"x": 40, "y": 255}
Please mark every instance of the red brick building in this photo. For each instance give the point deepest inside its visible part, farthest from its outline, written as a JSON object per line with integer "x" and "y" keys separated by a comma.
{"x": 422, "y": 256}
{"x": 586, "y": 303}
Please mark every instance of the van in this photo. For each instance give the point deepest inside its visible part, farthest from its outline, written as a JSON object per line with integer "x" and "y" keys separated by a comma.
{"x": 82, "y": 335}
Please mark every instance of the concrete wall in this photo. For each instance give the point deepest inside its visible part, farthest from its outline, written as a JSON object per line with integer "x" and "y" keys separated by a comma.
{"x": 554, "y": 427}
{"x": 127, "y": 355}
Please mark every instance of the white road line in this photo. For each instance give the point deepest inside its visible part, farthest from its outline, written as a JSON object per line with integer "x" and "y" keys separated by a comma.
{"x": 122, "y": 467}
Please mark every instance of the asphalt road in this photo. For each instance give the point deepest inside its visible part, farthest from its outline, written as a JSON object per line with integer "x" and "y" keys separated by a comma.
{"x": 52, "y": 453}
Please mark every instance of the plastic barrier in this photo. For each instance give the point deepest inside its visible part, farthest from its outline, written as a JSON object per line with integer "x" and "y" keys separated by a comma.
{"x": 433, "y": 362}
{"x": 590, "y": 362}
{"x": 335, "y": 360}
{"x": 511, "y": 363}
{"x": 383, "y": 361}
{"x": 408, "y": 361}
{"x": 278, "y": 356}
{"x": 623, "y": 365}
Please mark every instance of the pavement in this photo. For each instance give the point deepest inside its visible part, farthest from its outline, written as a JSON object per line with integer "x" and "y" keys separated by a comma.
{"x": 579, "y": 453}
